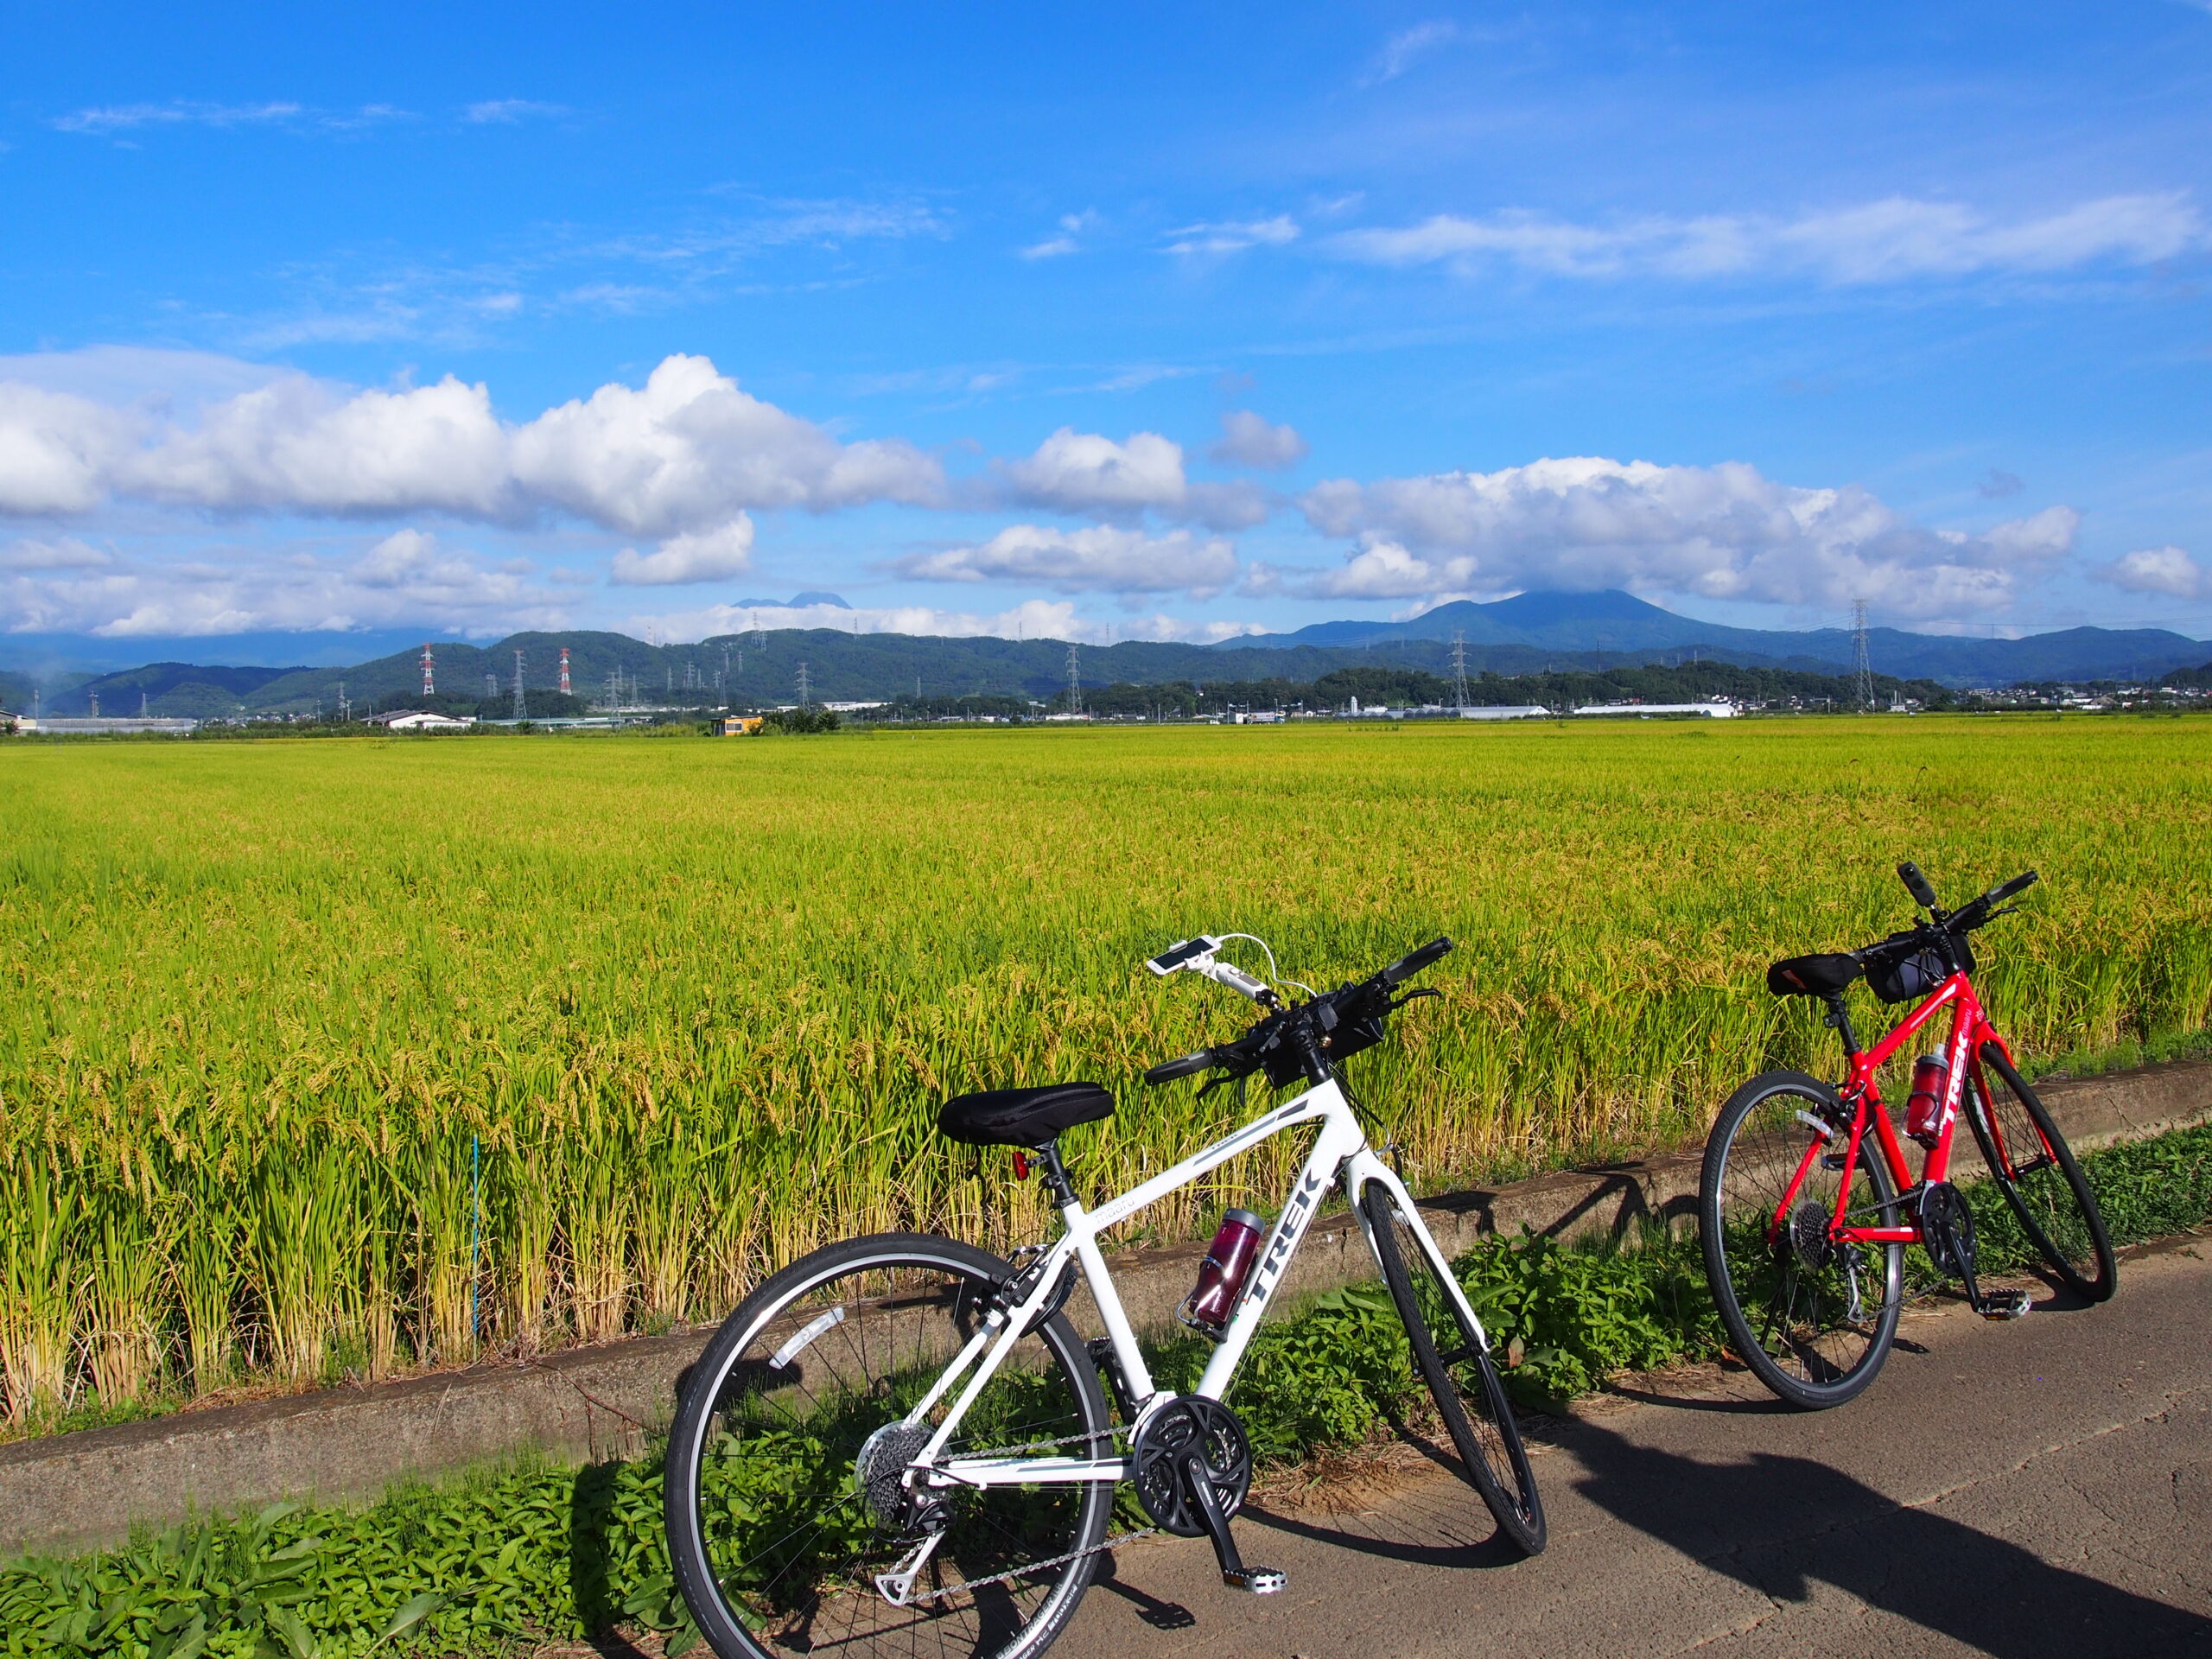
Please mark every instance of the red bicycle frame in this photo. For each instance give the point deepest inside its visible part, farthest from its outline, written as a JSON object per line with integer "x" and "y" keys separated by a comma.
{"x": 1970, "y": 1029}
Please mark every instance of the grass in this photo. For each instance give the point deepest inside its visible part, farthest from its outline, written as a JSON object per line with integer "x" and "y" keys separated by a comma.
{"x": 329, "y": 1060}
{"x": 538, "y": 1553}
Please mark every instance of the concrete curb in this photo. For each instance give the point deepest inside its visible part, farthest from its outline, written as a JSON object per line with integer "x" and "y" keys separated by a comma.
{"x": 82, "y": 1491}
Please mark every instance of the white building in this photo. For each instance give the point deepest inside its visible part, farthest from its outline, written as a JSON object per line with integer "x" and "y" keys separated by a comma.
{"x": 1514, "y": 711}
{"x": 406, "y": 720}
{"x": 1716, "y": 709}
{"x": 97, "y": 725}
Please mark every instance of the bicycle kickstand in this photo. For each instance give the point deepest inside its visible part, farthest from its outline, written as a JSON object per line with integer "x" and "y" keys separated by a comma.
{"x": 1199, "y": 1488}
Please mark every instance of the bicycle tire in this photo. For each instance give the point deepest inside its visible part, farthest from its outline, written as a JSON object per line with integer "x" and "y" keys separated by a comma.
{"x": 1489, "y": 1444}
{"x": 2059, "y": 1214}
{"x": 1787, "y": 1306}
{"x": 797, "y": 1387}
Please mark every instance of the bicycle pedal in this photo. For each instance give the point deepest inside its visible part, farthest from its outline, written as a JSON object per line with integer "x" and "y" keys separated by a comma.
{"x": 2000, "y": 1305}
{"x": 1260, "y": 1580}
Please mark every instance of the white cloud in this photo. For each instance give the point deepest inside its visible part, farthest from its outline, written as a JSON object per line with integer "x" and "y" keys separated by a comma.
{"x": 705, "y": 556}
{"x": 687, "y": 452}
{"x": 1099, "y": 559}
{"x": 1721, "y": 532}
{"x": 1891, "y": 240}
{"x": 1247, "y": 440}
{"x": 1034, "y": 619}
{"x": 1234, "y": 236}
{"x": 1082, "y": 471}
{"x": 121, "y": 118}
{"x": 1072, "y": 225}
{"x": 509, "y": 110}
{"x": 2167, "y": 570}
{"x": 301, "y": 445}
{"x": 1407, "y": 47}
{"x": 66, "y": 554}
{"x": 56, "y": 448}
{"x": 407, "y": 577}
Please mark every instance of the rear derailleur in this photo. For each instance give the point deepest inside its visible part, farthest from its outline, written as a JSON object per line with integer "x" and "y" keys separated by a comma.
{"x": 1192, "y": 1467}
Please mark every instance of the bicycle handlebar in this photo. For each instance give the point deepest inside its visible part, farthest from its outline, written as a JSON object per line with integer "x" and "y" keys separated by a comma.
{"x": 1188, "y": 1066}
{"x": 1412, "y": 962}
{"x": 1366, "y": 999}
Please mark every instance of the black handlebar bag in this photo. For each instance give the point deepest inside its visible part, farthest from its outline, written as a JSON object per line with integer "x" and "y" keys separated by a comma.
{"x": 1908, "y": 975}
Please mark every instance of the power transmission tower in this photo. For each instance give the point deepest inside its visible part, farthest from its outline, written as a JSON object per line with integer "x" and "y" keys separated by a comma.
{"x": 522, "y": 709}
{"x": 1075, "y": 683}
{"x": 345, "y": 708}
{"x": 805, "y": 691}
{"x": 1862, "y": 671}
{"x": 1460, "y": 699}
{"x": 429, "y": 684}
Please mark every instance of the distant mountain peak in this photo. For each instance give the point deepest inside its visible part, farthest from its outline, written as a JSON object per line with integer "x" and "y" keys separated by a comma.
{"x": 797, "y": 602}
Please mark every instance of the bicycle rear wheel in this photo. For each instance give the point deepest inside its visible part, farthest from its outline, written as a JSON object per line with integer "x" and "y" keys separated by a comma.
{"x": 1460, "y": 1377}
{"x": 2034, "y": 1168}
{"x": 1813, "y": 1319}
{"x": 783, "y": 1497}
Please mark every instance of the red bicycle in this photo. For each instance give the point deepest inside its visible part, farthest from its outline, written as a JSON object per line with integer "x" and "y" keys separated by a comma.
{"x": 1806, "y": 1204}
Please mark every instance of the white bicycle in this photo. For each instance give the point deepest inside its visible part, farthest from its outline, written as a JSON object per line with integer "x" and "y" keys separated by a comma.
{"x": 900, "y": 1444}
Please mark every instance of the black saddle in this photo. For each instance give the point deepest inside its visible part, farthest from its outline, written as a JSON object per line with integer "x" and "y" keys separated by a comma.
{"x": 1022, "y": 1117}
{"x": 1823, "y": 976}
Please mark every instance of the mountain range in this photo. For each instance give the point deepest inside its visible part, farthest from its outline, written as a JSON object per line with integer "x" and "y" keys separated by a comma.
{"x": 1528, "y": 634}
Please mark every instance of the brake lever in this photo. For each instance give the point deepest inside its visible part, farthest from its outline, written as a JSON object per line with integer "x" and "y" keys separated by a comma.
{"x": 1412, "y": 997}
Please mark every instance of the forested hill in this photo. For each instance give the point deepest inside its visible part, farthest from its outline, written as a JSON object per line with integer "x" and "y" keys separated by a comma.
{"x": 763, "y": 668}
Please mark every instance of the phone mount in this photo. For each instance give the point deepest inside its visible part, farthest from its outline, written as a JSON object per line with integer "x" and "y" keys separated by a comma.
{"x": 1196, "y": 955}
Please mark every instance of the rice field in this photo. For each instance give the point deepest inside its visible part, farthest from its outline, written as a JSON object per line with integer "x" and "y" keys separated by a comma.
{"x": 331, "y": 1059}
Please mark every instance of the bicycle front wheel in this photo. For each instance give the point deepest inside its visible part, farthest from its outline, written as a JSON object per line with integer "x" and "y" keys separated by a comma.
{"x": 1461, "y": 1376}
{"x": 2034, "y": 1168}
{"x": 783, "y": 1497}
{"x": 1812, "y": 1318}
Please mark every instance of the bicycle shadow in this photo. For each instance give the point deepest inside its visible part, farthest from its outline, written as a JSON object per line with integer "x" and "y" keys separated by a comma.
{"x": 1779, "y": 1525}
{"x": 1430, "y": 1517}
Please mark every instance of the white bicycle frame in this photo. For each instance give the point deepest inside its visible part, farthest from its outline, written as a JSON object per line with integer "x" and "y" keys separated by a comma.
{"x": 1340, "y": 1154}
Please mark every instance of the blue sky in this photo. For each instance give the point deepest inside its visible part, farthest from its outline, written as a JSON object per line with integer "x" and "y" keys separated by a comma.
{"x": 1116, "y": 323}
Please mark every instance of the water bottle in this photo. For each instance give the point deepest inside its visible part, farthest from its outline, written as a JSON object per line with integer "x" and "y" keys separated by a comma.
{"x": 1923, "y": 1108}
{"x": 1222, "y": 1274}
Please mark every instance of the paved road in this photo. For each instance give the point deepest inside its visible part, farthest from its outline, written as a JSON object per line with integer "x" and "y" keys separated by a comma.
{"x": 2024, "y": 1490}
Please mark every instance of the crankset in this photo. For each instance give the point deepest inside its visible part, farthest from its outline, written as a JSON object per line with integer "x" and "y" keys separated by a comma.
{"x": 1947, "y": 1226}
{"x": 1192, "y": 1467}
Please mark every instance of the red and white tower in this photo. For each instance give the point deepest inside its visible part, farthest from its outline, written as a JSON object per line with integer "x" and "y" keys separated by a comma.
{"x": 565, "y": 670}
{"x": 428, "y": 689}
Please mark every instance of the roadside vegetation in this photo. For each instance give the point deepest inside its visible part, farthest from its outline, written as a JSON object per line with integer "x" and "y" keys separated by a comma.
{"x": 327, "y": 1060}
{"x": 536, "y": 1552}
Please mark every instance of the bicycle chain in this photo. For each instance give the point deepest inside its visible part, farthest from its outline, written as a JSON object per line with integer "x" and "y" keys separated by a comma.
{"x": 1113, "y": 1431}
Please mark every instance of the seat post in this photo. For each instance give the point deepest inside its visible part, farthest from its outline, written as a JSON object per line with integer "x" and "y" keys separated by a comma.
{"x": 1840, "y": 1019}
{"x": 1056, "y": 1172}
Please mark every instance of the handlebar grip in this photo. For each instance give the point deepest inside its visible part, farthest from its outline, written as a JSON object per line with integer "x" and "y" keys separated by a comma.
{"x": 2019, "y": 883}
{"x": 1413, "y": 960}
{"x": 1189, "y": 1067}
{"x": 1917, "y": 884}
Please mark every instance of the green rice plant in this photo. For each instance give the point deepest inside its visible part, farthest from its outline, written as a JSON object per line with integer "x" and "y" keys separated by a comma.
{"x": 39, "y": 1275}
{"x": 696, "y": 1002}
{"x": 124, "y": 1301}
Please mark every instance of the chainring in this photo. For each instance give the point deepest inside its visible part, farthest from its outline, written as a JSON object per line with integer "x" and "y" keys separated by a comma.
{"x": 1157, "y": 1454}
{"x": 1947, "y": 1226}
